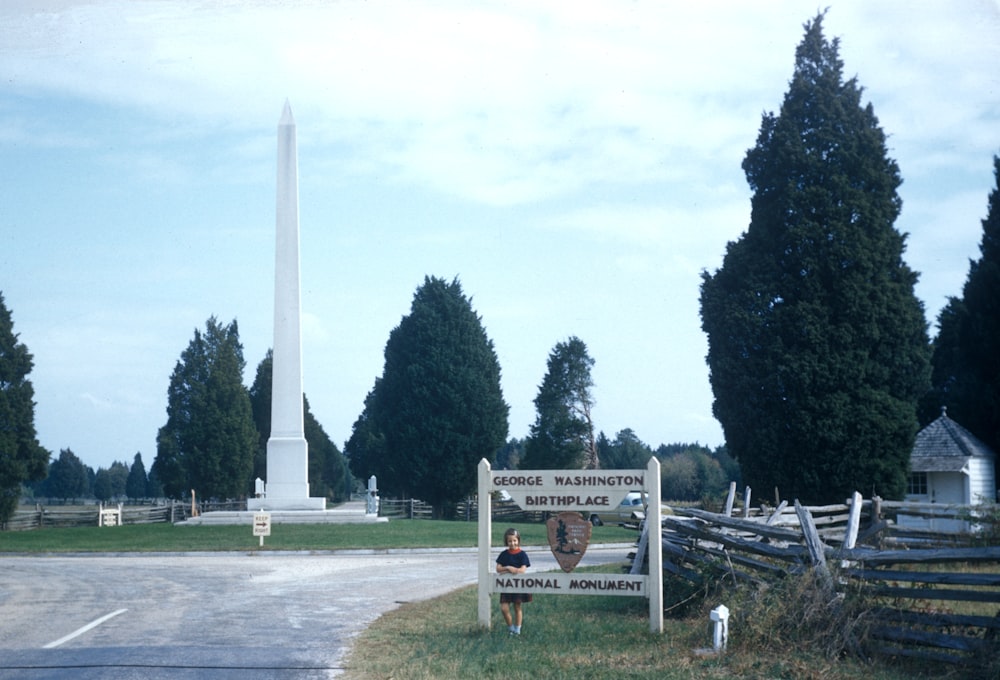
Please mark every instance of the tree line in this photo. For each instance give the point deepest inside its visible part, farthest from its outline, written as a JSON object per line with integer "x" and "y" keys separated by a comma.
{"x": 819, "y": 356}
{"x": 70, "y": 479}
{"x": 688, "y": 472}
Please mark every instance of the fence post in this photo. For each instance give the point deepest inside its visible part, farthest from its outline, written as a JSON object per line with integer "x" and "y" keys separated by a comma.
{"x": 853, "y": 525}
{"x": 731, "y": 499}
{"x": 640, "y": 550}
{"x": 853, "y": 521}
{"x": 814, "y": 544}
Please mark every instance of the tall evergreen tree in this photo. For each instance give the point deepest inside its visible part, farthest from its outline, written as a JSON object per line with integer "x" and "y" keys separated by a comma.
{"x": 327, "y": 468}
{"x": 260, "y": 407}
{"x": 209, "y": 439}
{"x": 137, "y": 481}
{"x": 817, "y": 343}
{"x": 68, "y": 477}
{"x": 366, "y": 448}
{"x": 438, "y": 409}
{"x": 103, "y": 485}
{"x": 562, "y": 436}
{"x": 154, "y": 488}
{"x": 118, "y": 475}
{"x": 22, "y": 459}
{"x": 966, "y": 357}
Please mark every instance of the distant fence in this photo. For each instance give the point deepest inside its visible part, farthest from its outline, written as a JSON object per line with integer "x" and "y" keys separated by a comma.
{"x": 467, "y": 510}
{"x": 409, "y": 508}
{"x": 43, "y": 516}
{"x": 858, "y": 547}
{"x": 50, "y": 516}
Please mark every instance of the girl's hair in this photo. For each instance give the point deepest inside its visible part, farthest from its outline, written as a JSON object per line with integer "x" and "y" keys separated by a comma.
{"x": 511, "y": 532}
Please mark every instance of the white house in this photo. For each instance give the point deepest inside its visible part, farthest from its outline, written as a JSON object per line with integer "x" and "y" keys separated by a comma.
{"x": 949, "y": 465}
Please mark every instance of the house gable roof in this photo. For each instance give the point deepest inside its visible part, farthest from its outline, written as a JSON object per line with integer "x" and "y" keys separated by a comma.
{"x": 946, "y": 446}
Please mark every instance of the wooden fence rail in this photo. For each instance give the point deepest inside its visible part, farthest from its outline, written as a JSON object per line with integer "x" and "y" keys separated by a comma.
{"x": 409, "y": 508}
{"x": 914, "y": 586}
{"x": 43, "y": 517}
{"x": 467, "y": 510}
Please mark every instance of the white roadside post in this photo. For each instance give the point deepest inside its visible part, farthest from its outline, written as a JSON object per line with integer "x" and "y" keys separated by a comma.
{"x": 371, "y": 503}
{"x": 720, "y": 631}
{"x": 485, "y": 537}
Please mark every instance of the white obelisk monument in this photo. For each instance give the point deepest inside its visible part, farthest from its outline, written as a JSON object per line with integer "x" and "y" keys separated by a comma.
{"x": 287, "y": 451}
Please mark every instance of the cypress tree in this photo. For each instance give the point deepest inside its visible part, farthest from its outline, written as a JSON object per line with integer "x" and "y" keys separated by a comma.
{"x": 22, "y": 459}
{"x": 817, "y": 343}
{"x": 967, "y": 349}
{"x": 562, "y": 436}
{"x": 438, "y": 408}
{"x": 208, "y": 441}
{"x": 67, "y": 477}
{"x": 137, "y": 481}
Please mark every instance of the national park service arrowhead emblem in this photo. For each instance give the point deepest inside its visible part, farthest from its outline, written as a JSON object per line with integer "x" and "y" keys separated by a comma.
{"x": 569, "y": 536}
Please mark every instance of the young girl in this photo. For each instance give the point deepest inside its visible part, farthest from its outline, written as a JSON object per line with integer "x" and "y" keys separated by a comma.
{"x": 513, "y": 560}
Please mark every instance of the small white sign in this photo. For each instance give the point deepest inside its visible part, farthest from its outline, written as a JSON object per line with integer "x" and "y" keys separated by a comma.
{"x": 262, "y": 524}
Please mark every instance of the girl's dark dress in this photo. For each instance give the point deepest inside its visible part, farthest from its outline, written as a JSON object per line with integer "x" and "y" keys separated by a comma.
{"x": 517, "y": 559}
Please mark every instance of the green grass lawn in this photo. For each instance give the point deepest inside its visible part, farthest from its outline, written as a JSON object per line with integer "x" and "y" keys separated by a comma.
{"x": 402, "y": 533}
{"x": 578, "y": 637}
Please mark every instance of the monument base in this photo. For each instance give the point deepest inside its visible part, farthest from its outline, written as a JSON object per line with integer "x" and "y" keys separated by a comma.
{"x": 352, "y": 512}
{"x": 282, "y": 504}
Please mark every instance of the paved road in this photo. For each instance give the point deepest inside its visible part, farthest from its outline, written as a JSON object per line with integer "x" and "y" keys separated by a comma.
{"x": 216, "y": 616}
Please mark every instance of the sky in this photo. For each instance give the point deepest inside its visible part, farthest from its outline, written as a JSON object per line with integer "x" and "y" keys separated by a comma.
{"x": 575, "y": 165}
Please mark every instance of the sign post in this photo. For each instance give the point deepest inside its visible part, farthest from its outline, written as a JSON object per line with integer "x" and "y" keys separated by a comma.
{"x": 485, "y": 538}
{"x": 655, "y": 546}
{"x": 564, "y": 492}
{"x": 262, "y": 525}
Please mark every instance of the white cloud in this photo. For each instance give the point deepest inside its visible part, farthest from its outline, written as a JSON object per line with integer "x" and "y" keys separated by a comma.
{"x": 511, "y": 103}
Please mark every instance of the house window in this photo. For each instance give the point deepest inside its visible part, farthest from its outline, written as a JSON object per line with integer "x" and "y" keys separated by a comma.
{"x": 917, "y": 485}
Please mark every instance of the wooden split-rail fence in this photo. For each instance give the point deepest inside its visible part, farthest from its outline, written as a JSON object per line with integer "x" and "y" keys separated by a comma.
{"x": 466, "y": 510}
{"x": 916, "y": 578}
{"x": 51, "y": 516}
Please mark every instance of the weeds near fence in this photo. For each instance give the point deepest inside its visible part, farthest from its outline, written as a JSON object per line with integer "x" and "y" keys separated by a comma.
{"x": 810, "y": 587}
{"x": 797, "y": 612}
{"x": 985, "y": 518}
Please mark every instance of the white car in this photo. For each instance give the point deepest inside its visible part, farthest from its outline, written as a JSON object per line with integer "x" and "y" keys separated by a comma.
{"x": 631, "y": 509}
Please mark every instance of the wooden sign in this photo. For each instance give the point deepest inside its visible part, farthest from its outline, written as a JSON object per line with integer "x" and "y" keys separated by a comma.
{"x": 569, "y": 493}
{"x": 569, "y": 536}
{"x": 262, "y": 524}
